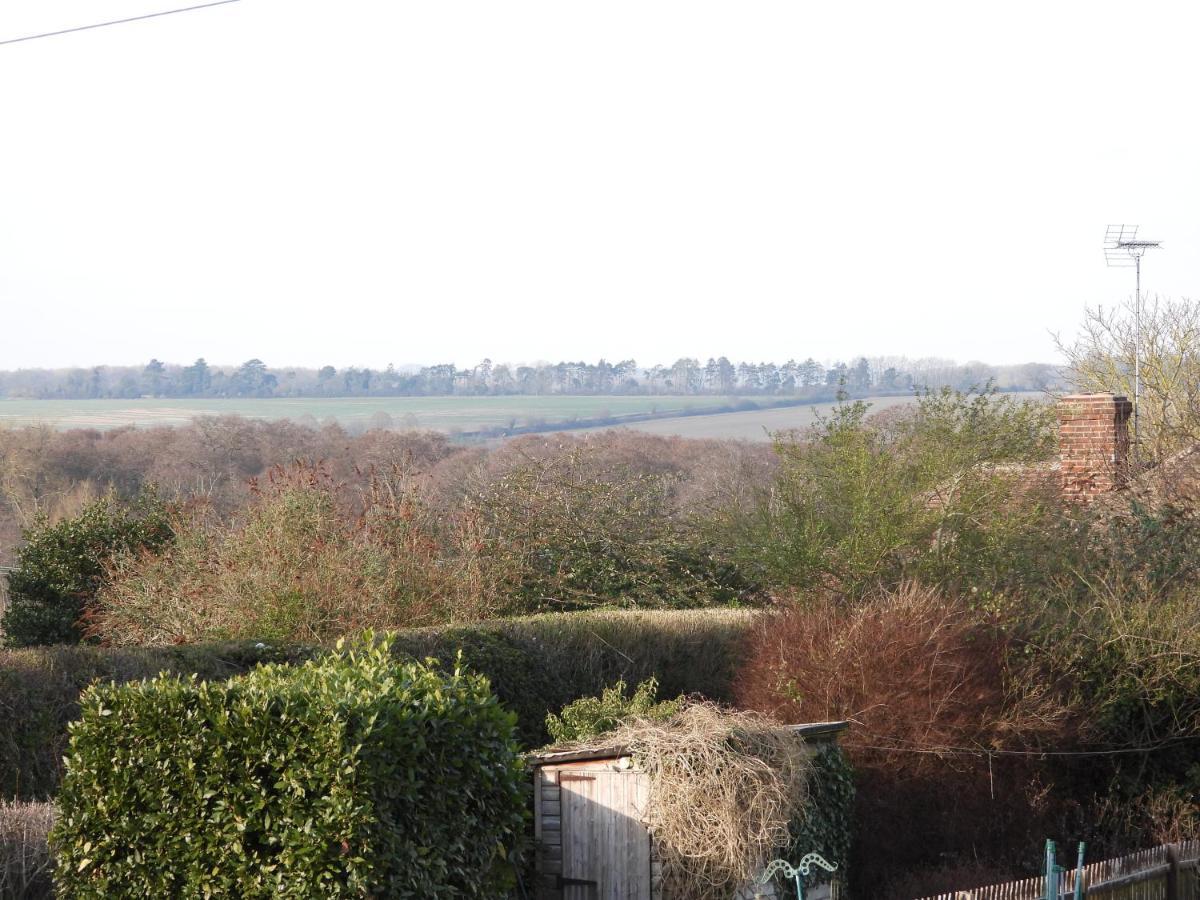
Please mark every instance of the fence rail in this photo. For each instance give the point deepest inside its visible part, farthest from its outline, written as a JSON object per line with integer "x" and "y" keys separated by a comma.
{"x": 1169, "y": 872}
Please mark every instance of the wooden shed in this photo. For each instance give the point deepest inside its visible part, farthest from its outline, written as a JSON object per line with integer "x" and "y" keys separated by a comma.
{"x": 592, "y": 841}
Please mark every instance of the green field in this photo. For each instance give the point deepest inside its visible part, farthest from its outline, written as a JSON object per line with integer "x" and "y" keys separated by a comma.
{"x": 759, "y": 424}
{"x": 453, "y": 415}
{"x": 449, "y": 414}
{"x": 752, "y": 425}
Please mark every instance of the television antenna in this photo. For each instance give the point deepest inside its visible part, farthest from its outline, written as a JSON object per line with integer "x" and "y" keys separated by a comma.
{"x": 1122, "y": 249}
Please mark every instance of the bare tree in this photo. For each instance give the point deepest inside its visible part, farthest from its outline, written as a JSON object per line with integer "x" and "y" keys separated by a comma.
{"x": 1101, "y": 358}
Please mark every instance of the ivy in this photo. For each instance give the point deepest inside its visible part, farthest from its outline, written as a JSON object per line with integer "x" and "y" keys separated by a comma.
{"x": 827, "y": 825}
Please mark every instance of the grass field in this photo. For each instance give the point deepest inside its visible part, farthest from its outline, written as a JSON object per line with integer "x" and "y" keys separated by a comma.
{"x": 447, "y": 414}
{"x": 758, "y": 424}
{"x": 436, "y": 413}
{"x": 752, "y": 425}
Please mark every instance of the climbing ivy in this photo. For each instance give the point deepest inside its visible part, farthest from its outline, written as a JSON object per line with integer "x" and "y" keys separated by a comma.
{"x": 826, "y": 826}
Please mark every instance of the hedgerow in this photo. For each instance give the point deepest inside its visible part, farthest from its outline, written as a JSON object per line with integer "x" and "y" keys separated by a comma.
{"x": 352, "y": 775}
{"x": 539, "y": 664}
{"x": 40, "y": 688}
{"x": 536, "y": 666}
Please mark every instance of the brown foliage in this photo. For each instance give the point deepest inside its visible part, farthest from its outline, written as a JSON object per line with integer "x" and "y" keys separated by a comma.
{"x": 316, "y": 550}
{"x": 925, "y": 687}
{"x": 723, "y": 787}
{"x": 309, "y": 559}
{"x": 47, "y": 471}
{"x": 909, "y": 670}
{"x": 53, "y": 472}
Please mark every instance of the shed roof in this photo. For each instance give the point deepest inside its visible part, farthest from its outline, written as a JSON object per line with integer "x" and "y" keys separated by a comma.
{"x": 616, "y": 751}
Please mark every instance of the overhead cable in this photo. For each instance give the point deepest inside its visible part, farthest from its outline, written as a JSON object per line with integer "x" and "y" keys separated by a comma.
{"x": 168, "y": 12}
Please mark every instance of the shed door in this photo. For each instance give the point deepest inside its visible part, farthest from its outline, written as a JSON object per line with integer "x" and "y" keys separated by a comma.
{"x": 603, "y": 837}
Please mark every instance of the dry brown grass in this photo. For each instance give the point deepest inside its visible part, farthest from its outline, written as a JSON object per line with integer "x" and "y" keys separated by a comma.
{"x": 25, "y": 861}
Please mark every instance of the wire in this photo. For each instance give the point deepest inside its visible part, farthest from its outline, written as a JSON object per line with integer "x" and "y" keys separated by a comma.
{"x": 981, "y": 752}
{"x": 169, "y": 12}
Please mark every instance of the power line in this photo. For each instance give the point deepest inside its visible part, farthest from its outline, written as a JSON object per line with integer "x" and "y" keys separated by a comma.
{"x": 169, "y": 12}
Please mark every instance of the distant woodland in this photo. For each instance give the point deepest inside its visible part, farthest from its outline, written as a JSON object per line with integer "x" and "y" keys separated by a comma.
{"x": 718, "y": 377}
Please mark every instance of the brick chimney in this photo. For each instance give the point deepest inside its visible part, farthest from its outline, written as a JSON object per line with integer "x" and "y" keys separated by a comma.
{"x": 1093, "y": 444}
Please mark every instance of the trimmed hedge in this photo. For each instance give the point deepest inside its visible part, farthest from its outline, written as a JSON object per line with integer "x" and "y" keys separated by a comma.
{"x": 536, "y": 666}
{"x": 539, "y": 664}
{"x": 40, "y": 688}
{"x": 355, "y": 774}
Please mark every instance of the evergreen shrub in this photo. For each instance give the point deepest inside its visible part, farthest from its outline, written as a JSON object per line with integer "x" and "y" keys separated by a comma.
{"x": 40, "y": 689}
{"x": 588, "y": 717}
{"x": 61, "y": 566}
{"x": 352, "y": 775}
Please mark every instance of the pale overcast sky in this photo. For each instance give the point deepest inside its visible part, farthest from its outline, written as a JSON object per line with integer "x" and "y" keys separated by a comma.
{"x": 368, "y": 182}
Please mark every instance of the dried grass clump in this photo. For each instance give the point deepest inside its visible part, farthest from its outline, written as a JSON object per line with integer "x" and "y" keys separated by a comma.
{"x": 723, "y": 788}
{"x": 25, "y": 861}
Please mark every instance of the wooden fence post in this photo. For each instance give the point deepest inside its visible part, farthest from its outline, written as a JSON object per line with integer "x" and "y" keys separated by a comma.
{"x": 1173, "y": 872}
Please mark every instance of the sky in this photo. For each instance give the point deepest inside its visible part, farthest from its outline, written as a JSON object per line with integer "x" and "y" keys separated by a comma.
{"x": 364, "y": 183}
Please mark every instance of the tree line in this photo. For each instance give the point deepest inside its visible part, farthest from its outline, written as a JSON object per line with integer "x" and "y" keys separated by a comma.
{"x": 716, "y": 376}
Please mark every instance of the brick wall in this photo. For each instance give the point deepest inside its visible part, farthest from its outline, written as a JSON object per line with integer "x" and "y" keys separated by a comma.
{"x": 1093, "y": 442}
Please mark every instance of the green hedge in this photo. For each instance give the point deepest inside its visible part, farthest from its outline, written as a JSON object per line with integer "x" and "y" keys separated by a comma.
{"x": 536, "y": 665}
{"x": 539, "y": 664}
{"x": 39, "y": 697}
{"x": 355, "y": 774}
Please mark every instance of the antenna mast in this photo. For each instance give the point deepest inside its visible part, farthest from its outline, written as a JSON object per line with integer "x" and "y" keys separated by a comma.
{"x": 1122, "y": 249}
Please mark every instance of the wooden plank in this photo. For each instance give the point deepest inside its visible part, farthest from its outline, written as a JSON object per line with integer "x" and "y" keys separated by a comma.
{"x": 603, "y": 838}
{"x": 537, "y": 807}
{"x": 1156, "y": 873}
{"x": 1128, "y": 872}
